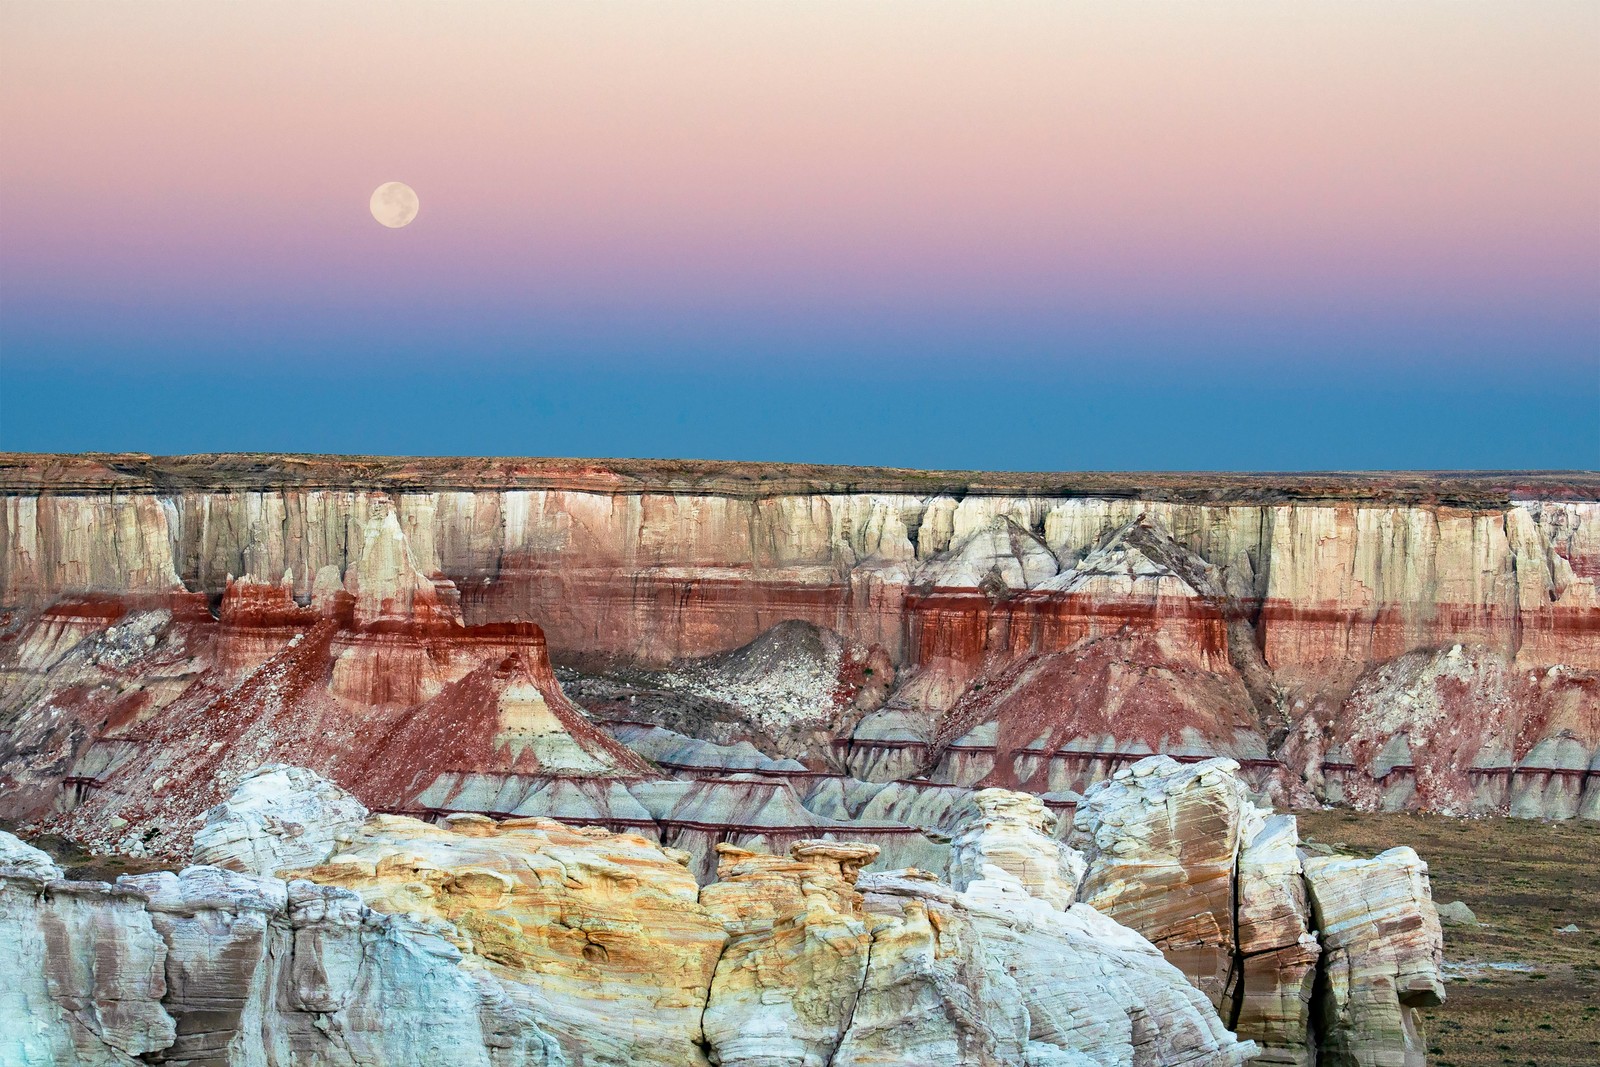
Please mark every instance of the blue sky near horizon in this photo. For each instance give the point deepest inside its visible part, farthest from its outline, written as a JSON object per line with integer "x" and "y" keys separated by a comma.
{"x": 1020, "y": 236}
{"x": 967, "y": 419}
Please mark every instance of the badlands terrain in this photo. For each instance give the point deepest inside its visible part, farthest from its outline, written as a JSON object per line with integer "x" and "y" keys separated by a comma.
{"x": 592, "y": 762}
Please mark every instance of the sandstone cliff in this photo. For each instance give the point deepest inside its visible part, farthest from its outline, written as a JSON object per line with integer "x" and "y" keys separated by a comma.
{"x": 1386, "y": 641}
{"x": 527, "y": 942}
{"x": 317, "y": 933}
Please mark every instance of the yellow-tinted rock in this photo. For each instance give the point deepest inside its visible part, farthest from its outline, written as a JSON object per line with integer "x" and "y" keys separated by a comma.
{"x": 786, "y": 987}
{"x": 605, "y": 931}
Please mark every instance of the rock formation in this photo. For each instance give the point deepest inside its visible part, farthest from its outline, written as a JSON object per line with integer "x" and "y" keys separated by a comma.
{"x": 794, "y": 692}
{"x": 278, "y": 818}
{"x": 1384, "y": 956}
{"x": 786, "y": 986}
{"x": 1277, "y": 949}
{"x": 641, "y": 763}
{"x": 1182, "y": 855}
{"x": 1010, "y": 840}
{"x": 214, "y": 967}
{"x": 1034, "y": 631}
{"x": 1162, "y": 842}
{"x": 82, "y": 974}
{"x": 526, "y": 942}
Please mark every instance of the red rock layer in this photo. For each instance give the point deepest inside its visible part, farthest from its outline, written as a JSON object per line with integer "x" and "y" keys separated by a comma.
{"x": 149, "y": 727}
{"x": 1296, "y": 588}
{"x": 1064, "y": 720}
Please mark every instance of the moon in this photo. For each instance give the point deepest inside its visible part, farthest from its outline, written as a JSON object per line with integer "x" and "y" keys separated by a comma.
{"x": 394, "y": 204}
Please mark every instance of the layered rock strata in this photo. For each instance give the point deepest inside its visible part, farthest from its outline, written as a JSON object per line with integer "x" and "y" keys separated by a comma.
{"x": 1035, "y": 631}
{"x": 1318, "y": 959}
{"x": 526, "y": 942}
{"x": 1385, "y": 956}
{"x": 1011, "y": 839}
{"x": 1277, "y": 949}
{"x": 217, "y": 968}
{"x": 1161, "y": 841}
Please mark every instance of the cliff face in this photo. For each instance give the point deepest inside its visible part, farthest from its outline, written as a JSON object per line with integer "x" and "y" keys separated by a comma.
{"x": 731, "y": 764}
{"x": 316, "y": 933}
{"x": 1020, "y": 630}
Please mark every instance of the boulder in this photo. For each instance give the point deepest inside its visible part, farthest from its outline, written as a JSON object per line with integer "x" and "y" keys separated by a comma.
{"x": 1383, "y": 954}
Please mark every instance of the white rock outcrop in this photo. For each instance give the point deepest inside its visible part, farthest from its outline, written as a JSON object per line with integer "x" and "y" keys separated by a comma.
{"x": 218, "y": 967}
{"x": 786, "y": 985}
{"x": 1162, "y": 839}
{"x": 262, "y": 972}
{"x": 82, "y": 970}
{"x": 530, "y": 943}
{"x": 1278, "y": 951}
{"x": 1063, "y": 987}
{"x": 1384, "y": 957}
{"x": 278, "y": 818}
{"x": 1011, "y": 840}
{"x": 1181, "y": 854}
{"x": 1000, "y": 555}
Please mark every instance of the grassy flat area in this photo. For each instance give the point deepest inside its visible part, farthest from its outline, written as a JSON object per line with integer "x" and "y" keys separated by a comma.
{"x": 81, "y": 866}
{"x": 1523, "y": 880}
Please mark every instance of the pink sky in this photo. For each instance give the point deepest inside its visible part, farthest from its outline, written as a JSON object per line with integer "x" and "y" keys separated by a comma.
{"x": 1377, "y": 162}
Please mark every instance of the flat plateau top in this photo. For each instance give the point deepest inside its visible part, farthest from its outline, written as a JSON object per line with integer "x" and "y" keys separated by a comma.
{"x": 29, "y": 473}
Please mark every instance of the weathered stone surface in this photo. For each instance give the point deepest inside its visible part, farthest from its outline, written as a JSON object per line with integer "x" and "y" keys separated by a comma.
{"x": 23, "y": 860}
{"x": 1002, "y": 554}
{"x": 1277, "y": 950}
{"x": 1066, "y": 720}
{"x": 786, "y": 986}
{"x": 261, "y": 971}
{"x": 1383, "y": 952}
{"x": 165, "y": 711}
{"x": 1461, "y": 730}
{"x": 1394, "y": 651}
{"x": 278, "y": 817}
{"x": 81, "y": 968}
{"x": 1012, "y": 838}
{"x": 1095, "y": 988}
{"x": 931, "y": 993}
{"x": 1080, "y": 630}
{"x": 524, "y": 941}
{"x": 794, "y": 690}
{"x": 1161, "y": 840}
{"x": 603, "y": 934}
{"x": 1182, "y": 855}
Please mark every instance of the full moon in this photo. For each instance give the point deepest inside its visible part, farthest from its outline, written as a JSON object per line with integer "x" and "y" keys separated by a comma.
{"x": 394, "y": 204}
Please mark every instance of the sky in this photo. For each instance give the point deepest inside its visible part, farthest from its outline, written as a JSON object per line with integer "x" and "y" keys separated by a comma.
{"x": 1027, "y": 236}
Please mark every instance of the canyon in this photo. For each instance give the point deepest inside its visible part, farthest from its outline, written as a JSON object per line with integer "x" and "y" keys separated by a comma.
{"x": 979, "y": 735}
